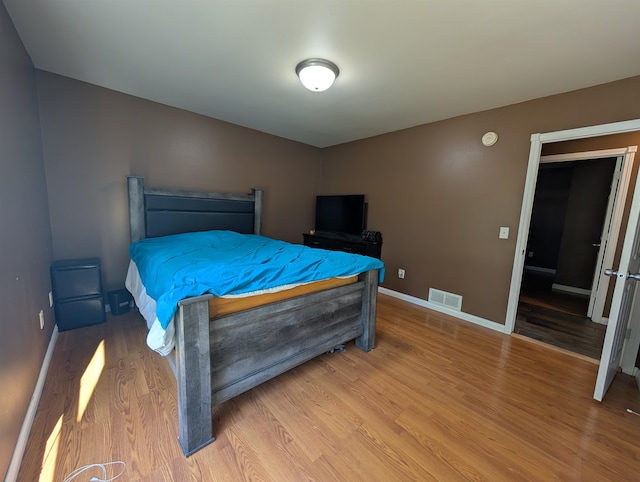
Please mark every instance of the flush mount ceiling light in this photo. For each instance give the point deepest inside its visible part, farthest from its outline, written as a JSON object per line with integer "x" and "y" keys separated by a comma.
{"x": 317, "y": 75}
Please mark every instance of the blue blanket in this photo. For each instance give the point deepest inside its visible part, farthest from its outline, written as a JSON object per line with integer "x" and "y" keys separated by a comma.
{"x": 228, "y": 263}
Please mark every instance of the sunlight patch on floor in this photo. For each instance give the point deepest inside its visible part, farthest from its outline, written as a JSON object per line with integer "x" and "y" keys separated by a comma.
{"x": 51, "y": 453}
{"x": 90, "y": 379}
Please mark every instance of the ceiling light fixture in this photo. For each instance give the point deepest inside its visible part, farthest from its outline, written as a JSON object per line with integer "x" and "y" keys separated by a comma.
{"x": 317, "y": 75}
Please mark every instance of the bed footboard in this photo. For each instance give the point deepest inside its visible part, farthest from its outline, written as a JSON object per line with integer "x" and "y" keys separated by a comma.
{"x": 220, "y": 358}
{"x": 367, "y": 341}
{"x": 193, "y": 373}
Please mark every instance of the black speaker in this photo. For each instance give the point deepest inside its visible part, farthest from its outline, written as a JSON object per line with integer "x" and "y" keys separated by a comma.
{"x": 372, "y": 236}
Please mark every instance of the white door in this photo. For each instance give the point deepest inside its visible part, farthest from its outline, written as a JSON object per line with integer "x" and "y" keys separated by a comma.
{"x": 626, "y": 278}
{"x": 600, "y": 283}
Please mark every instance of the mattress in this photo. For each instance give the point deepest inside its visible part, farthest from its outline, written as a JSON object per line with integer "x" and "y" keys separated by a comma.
{"x": 163, "y": 341}
{"x": 225, "y": 263}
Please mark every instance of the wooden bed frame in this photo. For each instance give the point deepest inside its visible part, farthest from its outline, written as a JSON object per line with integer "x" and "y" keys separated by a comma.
{"x": 217, "y": 359}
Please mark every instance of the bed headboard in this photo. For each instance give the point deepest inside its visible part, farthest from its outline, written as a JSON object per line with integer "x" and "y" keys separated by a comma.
{"x": 160, "y": 212}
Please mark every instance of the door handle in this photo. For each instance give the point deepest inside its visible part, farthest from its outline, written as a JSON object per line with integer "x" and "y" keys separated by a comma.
{"x": 633, "y": 276}
{"x": 610, "y": 272}
{"x": 596, "y": 245}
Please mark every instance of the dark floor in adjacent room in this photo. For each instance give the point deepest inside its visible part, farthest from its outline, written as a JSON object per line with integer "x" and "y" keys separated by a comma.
{"x": 557, "y": 318}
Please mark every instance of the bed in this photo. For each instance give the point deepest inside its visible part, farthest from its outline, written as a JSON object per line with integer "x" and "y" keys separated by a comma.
{"x": 219, "y": 353}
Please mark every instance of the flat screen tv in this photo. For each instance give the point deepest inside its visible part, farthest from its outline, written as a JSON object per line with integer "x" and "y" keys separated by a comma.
{"x": 342, "y": 214}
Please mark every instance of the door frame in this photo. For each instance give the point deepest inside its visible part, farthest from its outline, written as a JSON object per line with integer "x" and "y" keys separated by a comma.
{"x": 609, "y": 236}
{"x": 613, "y": 217}
{"x": 537, "y": 140}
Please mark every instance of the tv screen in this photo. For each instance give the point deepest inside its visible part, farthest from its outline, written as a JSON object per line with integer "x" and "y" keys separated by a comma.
{"x": 340, "y": 214}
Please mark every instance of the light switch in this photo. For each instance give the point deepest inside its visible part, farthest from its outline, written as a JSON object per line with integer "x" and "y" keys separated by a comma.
{"x": 504, "y": 232}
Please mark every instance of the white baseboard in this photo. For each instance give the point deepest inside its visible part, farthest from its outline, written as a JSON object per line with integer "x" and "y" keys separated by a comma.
{"x": 538, "y": 269}
{"x": 21, "y": 444}
{"x": 570, "y": 289}
{"x": 601, "y": 321}
{"x": 461, "y": 315}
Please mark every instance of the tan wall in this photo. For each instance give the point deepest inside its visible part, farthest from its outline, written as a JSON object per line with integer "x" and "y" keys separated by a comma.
{"x": 94, "y": 137}
{"x": 25, "y": 239}
{"x": 439, "y": 196}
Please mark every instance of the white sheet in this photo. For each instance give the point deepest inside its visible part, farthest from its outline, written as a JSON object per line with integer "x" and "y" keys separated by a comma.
{"x": 162, "y": 341}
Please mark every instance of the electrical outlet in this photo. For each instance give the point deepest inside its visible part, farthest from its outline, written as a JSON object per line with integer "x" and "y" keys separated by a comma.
{"x": 400, "y": 273}
{"x": 41, "y": 319}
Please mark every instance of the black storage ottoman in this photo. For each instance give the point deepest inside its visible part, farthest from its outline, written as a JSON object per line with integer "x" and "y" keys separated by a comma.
{"x": 77, "y": 293}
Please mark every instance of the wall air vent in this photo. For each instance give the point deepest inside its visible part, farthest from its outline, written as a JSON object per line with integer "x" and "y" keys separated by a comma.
{"x": 448, "y": 300}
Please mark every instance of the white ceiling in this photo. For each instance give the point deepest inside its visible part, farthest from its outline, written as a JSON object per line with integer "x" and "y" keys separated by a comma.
{"x": 402, "y": 62}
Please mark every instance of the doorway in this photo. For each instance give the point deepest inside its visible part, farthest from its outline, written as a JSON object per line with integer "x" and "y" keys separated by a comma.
{"x": 569, "y": 230}
{"x": 536, "y": 159}
{"x": 614, "y": 353}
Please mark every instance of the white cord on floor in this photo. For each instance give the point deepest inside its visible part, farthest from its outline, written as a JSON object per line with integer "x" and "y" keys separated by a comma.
{"x": 103, "y": 466}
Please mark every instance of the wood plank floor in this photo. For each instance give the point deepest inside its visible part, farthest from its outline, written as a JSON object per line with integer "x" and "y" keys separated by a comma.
{"x": 438, "y": 399}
